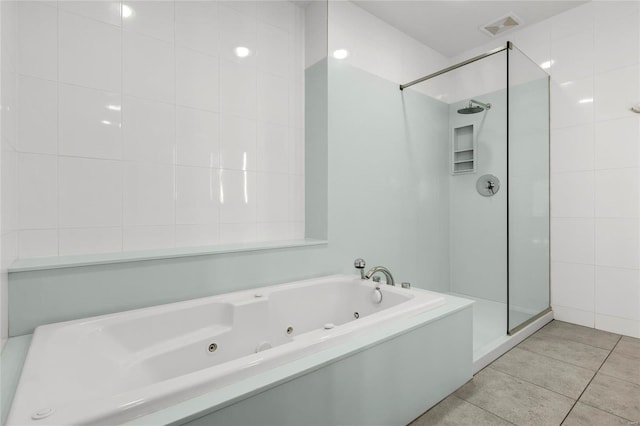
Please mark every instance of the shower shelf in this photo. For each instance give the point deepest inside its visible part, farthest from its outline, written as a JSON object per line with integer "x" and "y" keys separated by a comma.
{"x": 463, "y": 147}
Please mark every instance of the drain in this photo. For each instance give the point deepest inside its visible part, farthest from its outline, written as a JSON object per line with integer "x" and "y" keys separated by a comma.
{"x": 356, "y": 315}
{"x": 289, "y": 330}
{"x": 213, "y": 347}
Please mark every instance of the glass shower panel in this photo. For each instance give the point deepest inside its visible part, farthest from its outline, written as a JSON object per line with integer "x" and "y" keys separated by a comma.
{"x": 528, "y": 191}
{"x": 477, "y": 221}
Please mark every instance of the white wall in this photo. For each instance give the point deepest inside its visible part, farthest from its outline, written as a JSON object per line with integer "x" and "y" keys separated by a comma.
{"x": 8, "y": 155}
{"x": 147, "y": 131}
{"x": 595, "y": 159}
{"x": 377, "y": 47}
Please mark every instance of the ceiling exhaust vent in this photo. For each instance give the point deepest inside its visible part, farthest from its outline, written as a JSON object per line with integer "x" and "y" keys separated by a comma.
{"x": 502, "y": 25}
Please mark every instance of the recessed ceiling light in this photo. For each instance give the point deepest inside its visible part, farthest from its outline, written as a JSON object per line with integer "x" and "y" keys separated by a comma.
{"x": 127, "y": 11}
{"x": 547, "y": 64}
{"x": 585, "y": 101}
{"x": 340, "y": 53}
{"x": 242, "y": 52}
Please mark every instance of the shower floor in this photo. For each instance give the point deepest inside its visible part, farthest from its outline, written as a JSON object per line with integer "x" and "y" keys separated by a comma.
{"x": 490, "y": 324}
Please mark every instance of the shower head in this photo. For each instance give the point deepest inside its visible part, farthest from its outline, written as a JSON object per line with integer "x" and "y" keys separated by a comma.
{"x": 474, "y": 109}
{"x": 470, "y": 109}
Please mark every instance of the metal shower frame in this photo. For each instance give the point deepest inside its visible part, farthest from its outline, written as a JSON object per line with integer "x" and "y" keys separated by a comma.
{"x": 458, "y": 65}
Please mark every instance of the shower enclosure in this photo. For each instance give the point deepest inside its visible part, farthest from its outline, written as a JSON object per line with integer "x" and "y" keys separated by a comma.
{"x": 498, "y": 188}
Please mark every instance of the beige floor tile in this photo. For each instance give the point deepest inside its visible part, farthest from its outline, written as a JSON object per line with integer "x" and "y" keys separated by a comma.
{"x": 575, "y": 353}
{"x": 580, "y": 334}
{"x": 584, "y": 415}
{"x": 614, "y": 396}
{"x": 623, "y": 367}
{"x": 628, "y": 346}
{"x": 515, "y": 400}
{"x": 558, "y": 376}
{"x": 455, "y": 412}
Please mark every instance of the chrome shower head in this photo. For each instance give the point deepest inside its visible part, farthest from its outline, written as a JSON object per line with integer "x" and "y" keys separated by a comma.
{"x": 470, "y": 109}
{"x": 474, "y": 109}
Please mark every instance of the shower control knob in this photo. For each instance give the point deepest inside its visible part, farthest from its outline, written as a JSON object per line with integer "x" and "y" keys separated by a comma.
{"x": 488, "y": 185}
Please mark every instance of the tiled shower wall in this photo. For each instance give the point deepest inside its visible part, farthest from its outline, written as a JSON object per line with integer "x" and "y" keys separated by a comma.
{"x": 139, "y": 127}
{"x": 593, "y": 55}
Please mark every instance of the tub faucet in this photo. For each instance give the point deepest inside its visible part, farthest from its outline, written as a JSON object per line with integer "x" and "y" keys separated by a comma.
{"x": 360, "y": 264}
{"x": 385, "y": 272}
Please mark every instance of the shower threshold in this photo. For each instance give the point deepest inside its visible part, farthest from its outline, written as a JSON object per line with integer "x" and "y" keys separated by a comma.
{"x": 490, "y": 339}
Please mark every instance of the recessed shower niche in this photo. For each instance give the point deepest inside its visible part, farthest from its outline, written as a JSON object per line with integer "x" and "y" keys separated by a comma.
{"x": 463, "y": 149}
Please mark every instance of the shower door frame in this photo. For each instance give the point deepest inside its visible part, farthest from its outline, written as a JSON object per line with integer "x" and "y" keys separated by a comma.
{"x": 514, "y": 330}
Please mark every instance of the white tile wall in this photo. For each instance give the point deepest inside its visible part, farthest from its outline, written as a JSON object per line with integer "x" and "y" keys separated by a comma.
{"x": 197, "y": 196}
{"x": 197, "y": 136}
{"x": 196, "y": 25}
{"x": 89, "y": 53}
{"x": 237, "y": 196}
{"x": 594, "y": 183}
{"x": 148, "y": 131}
{"x": 38, "y": 243}
{"x": 89, "y": 192}
{"x": 139, "y": 127}
{"x": 37, "y": 197}
{"x": 148, "y": 195}
{"x": 104, "y": 11}
{"x": 154, "y": 19}
{"x": 148, "y": 68}
{"x": 238, "y": 138}
{"x": 89, "y": 240}
{"x": 89, "y": 123}
{"x": 147, "y": 237}
{"x": 197, "y": 80}
{"x": 38, "y": 104}
{"x": 37, "y": 40}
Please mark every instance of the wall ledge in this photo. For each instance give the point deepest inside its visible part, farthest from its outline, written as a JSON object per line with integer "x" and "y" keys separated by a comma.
{"x": 38, "y": 264}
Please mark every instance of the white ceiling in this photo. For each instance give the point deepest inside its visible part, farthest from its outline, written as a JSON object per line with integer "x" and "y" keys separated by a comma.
{"x": 452, "y": 27}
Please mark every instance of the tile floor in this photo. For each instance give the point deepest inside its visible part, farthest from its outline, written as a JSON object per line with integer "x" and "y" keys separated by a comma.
{"x": 564, "y": 374}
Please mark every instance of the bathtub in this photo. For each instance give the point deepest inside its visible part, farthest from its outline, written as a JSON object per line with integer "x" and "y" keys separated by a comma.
{"x": 115, "y": 368}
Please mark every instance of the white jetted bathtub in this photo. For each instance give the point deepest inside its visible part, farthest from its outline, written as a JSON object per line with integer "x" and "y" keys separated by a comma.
{"x": 114, "y": 368}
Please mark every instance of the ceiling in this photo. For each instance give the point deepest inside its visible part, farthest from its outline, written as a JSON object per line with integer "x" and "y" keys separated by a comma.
{"x": 452, "y": 27}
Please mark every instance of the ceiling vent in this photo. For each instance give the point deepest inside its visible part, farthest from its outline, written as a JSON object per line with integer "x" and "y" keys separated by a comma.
{"x": 502, "y": 25}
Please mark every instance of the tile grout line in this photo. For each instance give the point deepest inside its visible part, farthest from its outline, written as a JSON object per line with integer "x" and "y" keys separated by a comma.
{"x": 609, "y": 413}
{"x": 483, "y": 409}
{"x": 464, "y": 400}
{"x": 531, "y": 383}
{"x": 590, "y": 381}
{"x": 556, "y": 359}
{"x": 588, "y": 344}
{"x": 582, "y": 343}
